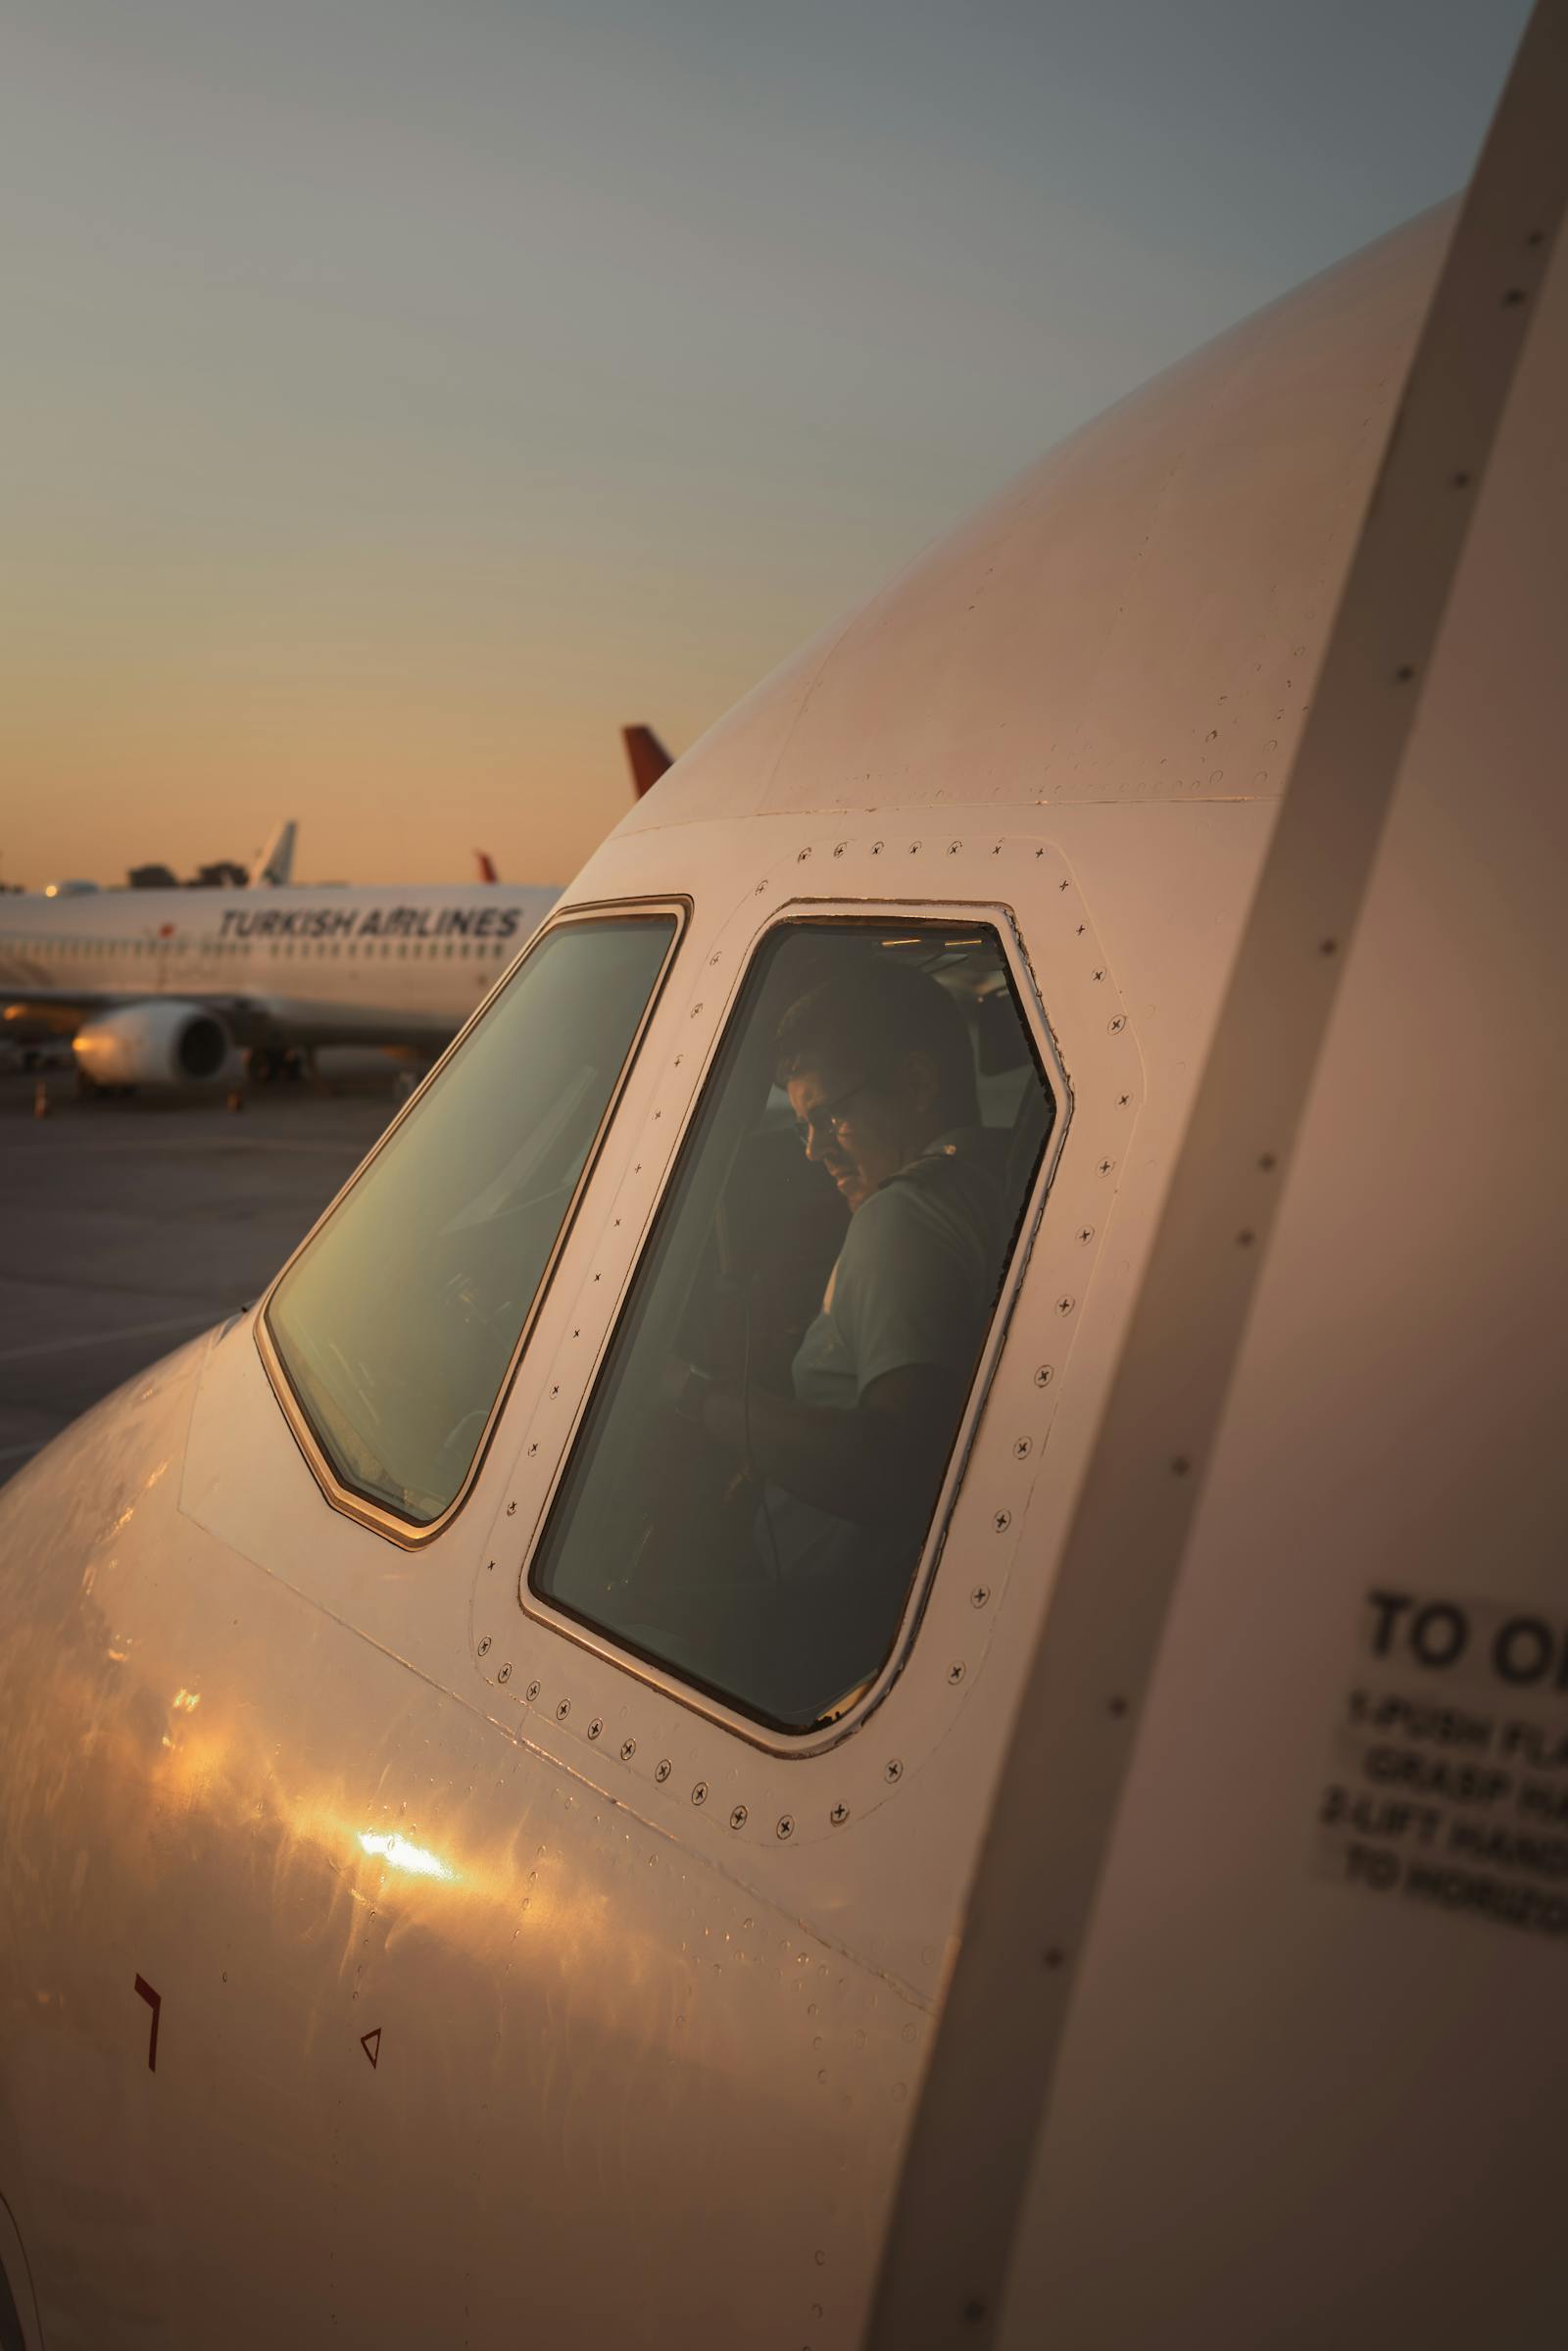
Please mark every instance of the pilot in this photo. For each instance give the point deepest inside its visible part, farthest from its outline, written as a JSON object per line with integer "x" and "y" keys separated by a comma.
{"x": 877, "y": 1066}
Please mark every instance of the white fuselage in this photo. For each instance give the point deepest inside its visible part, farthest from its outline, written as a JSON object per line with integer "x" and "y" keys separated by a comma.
{"x": 297, "y": 966}
{"x": 403, "y": 1944}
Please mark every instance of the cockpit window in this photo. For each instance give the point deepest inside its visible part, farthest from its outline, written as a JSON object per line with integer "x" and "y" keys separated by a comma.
{"x": 756, "y": 1476}
{"x": 397, "y": 1325}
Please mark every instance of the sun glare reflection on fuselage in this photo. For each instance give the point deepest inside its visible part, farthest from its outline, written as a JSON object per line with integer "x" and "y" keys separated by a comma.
{"x": 404, "y": 1856}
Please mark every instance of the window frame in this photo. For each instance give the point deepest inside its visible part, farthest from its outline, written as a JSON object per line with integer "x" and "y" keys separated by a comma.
{"x": 335, "y": 1491}
{"x": 597, "y": 1640}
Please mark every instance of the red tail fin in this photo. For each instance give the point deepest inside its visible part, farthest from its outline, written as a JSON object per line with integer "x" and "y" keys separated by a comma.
{"x": 487, "y": 866}
{"x": 648, "y": 757}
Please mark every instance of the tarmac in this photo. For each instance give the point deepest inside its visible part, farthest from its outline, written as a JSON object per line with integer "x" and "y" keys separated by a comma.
{"x": 128, "y": 1225}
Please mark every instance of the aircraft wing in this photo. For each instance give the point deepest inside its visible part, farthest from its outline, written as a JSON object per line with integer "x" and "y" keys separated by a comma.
{"x": 64, "y": 1007}
{"x": 275, "y": 862}
{"x": 248, "y": 1019}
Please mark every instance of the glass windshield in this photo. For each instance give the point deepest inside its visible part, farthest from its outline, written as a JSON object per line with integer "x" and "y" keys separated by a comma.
{"x": 754, "y": 1483}
{"x": 398, "y": 1323}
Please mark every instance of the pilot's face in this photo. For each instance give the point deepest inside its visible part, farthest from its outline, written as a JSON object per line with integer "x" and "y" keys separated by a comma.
{"x": 861, "y": 1129}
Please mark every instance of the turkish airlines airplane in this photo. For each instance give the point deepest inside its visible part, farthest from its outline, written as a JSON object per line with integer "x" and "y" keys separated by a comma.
{"x": 871, "y": 1647}
{"x": 169, "y": 987}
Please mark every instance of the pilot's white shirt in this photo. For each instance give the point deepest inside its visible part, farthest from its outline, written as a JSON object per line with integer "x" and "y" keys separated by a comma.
{"x": 913, "y": 1284}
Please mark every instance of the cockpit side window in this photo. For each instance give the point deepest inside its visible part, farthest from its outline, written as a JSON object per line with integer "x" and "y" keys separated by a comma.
{"x": 754, "y": 1483}
{"x": 397, "y": 1326}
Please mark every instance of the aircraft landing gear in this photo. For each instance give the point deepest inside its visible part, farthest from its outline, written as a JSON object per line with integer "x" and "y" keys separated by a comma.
{"x": 273, "y": 1066}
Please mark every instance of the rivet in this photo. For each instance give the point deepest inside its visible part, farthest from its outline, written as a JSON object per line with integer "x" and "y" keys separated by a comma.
{"x": 659, "y": 1114}
{"x": 1002, "y": 1521}
{"x": 489, "y": 1567}
{"x": 800, "y": 855}
{"x": 1065, "y": 1305}
{"x": 595, "y": 1728}
{"x": 876, "y": 848}
{"x": 556, "y": 1389}
{"x": 531, "y": 1692}
{"x": 997, "y": 851}
{"x": 1513, "y": 297}
{"x": 761, "y": 887}
{"x": 1022, "y": 1450}
{"x": 512, "y": 1512}
{"x": 839, "y": 1814}
{"x": 563, "y": 1710}
{"x": 1268, "y": 1162}
{"x": 1403, "y": 674}
{"x": 1105, "y": 1166}
{"x": 915, "y": 849}
{"x": 679, "y": 1059}
{"x": 954, "y": 848}
{"x": 700, "y": 1792}
{"x": 1180, "y": 1466}
{"x": 597, "y": 1277}
{"x": 578, "y": 1334}
{"x": 975, "y": 2308}
{"x": 1122, "y": 1099}
{"x": 662, "y": 1769}
{"x": 955, "y": 1674}
{"x": 696, "y": 1008}
{"x": 1083, "y": 926}
{"x": 1118, "y": 1705}
{"x": 892, "y": 1770}
{"x": 1097, "y": 975}
{"x": 1052, "y": 1958}
{"x": 1044, "y": 1375}
{"x": 1118, "y": 1024}
{"x": 838, "y": 849}
{"x": 1040, "y": 853}
{"x": 504, "y": 1675}
{"x": 1244, "y": 1239}
{"x": 628, "y": 1748}
{"x": 712, "y": 958}
{"x": 484, "y": 1646}
{"x": 1461, "y": 481}
{"x": 532, "y": 1450}
{"x": 1328, "y": 947}
{"x": 980, "y": 1595}
{"x": 784, "y": 1828}
{"x": 1086, "y": 1232}
{"x": 737, "y": 1819}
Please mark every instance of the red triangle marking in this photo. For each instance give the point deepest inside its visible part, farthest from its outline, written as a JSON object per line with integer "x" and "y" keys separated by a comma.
{"x": 370, "y": 2043}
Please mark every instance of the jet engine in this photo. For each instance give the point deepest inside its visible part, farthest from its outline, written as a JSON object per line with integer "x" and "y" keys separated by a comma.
{"x": 154, "y": 1044}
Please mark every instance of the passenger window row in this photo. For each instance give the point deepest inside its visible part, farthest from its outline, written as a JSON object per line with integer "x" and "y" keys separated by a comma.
{"x": 59, "y": 949}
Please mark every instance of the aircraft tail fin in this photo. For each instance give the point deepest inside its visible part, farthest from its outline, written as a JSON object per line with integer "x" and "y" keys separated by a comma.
{"x": 487, "y": 866}
{"x": 275, "y": 862}
{"x": 646, "y": 756}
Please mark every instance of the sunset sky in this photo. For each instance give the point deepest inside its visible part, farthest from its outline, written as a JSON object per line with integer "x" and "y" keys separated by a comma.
{"x": 397, "y": 396}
